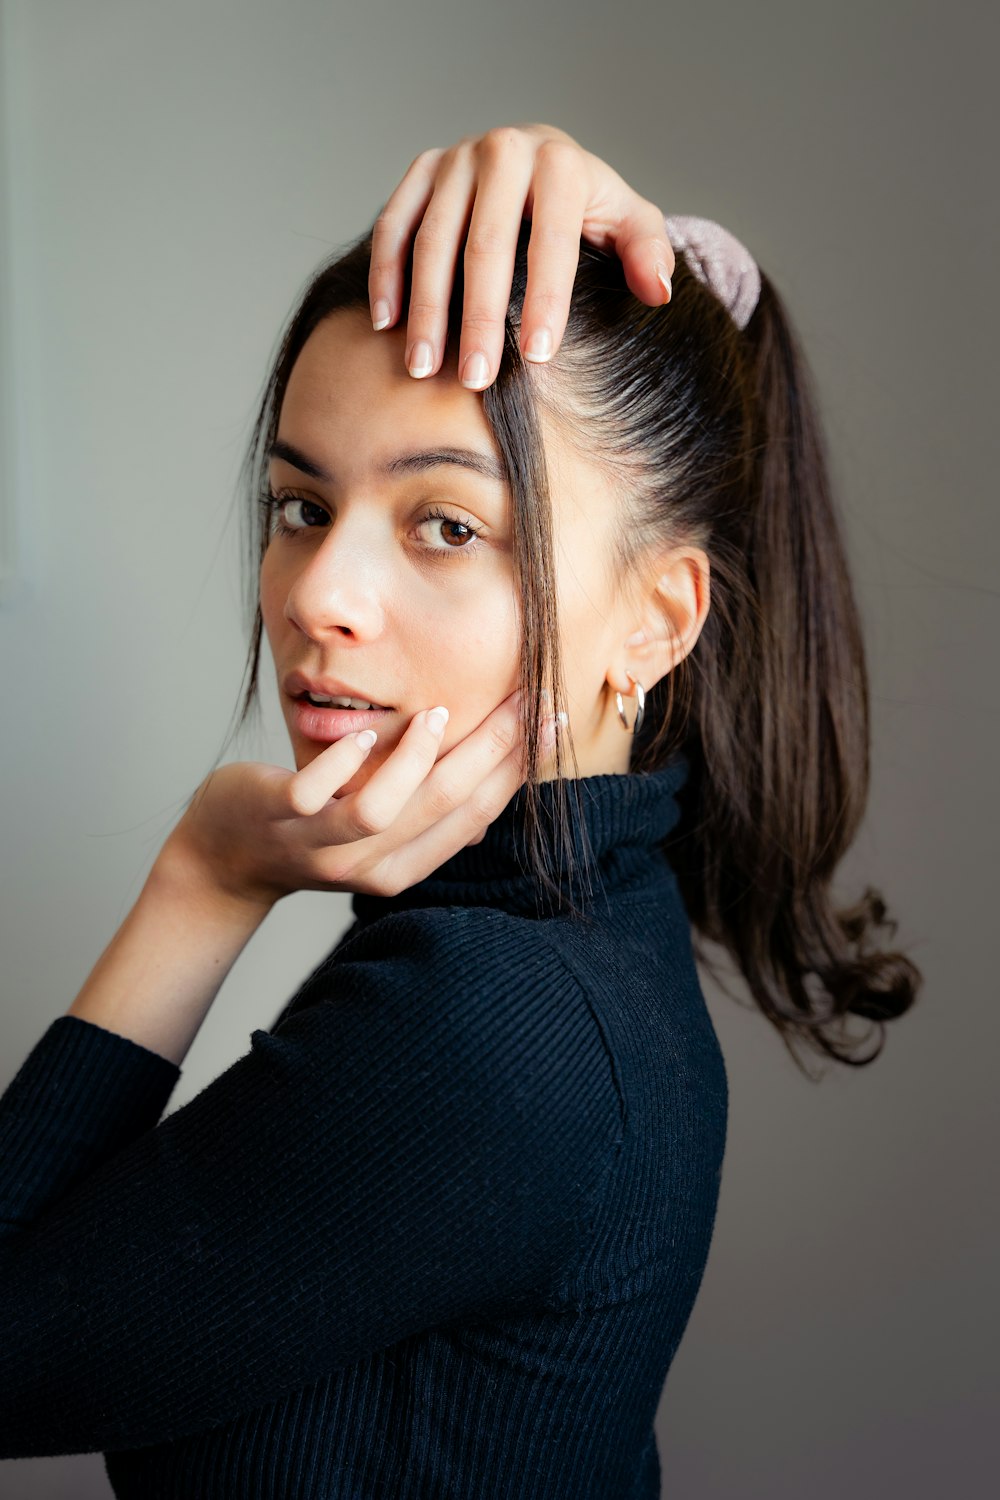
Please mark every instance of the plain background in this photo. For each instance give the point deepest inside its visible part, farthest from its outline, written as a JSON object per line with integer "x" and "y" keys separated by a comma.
{"x": 174, "y": 172}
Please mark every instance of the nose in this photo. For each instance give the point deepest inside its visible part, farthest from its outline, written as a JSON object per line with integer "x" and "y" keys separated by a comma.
{"x": 339, "y": 587}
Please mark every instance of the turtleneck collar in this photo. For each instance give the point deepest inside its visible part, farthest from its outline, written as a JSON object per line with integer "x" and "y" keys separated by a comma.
{"x": 624, "y": 818}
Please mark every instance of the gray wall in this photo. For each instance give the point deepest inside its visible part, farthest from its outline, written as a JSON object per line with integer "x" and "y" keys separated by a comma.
{"x": 173, "y": 173}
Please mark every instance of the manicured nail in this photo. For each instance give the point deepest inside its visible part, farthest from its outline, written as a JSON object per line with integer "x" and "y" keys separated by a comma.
{"x": 366, "y": 739}
{"x": 380, "y": 314}
{"x": 437, "y": 718}
{"x": 476, "y": 371}
{"x": 539, "y": 347}
{"x": 664, "y": 280}
{"x": 421, "y": 359}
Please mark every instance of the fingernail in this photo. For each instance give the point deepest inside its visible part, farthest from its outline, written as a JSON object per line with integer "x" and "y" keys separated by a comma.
{"x": 380, "y": 314}
{"x": 664, "y": 280}
{"x": 366, "y": 739}
{"x": 437, "y": 718}
{"x": 421, "y": 359}
{"x": 637, "y": 639}
{"x": 476, "y": 371}
{"x": 539, "y": 346}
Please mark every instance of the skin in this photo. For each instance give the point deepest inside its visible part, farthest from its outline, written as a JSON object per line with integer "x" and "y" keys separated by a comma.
{"x": 387, "y": 602}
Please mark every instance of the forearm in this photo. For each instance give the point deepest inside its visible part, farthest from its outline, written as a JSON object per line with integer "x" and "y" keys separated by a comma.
{"x": 157, "y": 978}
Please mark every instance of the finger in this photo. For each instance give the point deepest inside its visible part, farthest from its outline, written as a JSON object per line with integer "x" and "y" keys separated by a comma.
{"x": 468, "y": 822}
{"x": 390, "y": 797}
{"x": 461, "y": 771}
{"x": 391, "y": 236}
{"x": 506, "y": 158}
{"x": 417, "y": 858}
{"x": 435, "y": 254}
{"x": 641, "y": 240}
{"x": 559, "y": 193}
{"x": 310, "y": 790}
{"x": 379, "y": 804}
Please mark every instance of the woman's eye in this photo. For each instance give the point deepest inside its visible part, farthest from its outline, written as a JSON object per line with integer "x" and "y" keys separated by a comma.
{"x": 457, "y": 535}
{"x": 278, "y": 506}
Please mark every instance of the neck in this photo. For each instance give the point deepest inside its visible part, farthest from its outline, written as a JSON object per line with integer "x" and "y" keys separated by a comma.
{"x": 617, "y": 825}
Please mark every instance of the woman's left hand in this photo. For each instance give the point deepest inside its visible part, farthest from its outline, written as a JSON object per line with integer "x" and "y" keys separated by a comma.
{"x": 256, "y": 832}
{"x": 478, "y": 191}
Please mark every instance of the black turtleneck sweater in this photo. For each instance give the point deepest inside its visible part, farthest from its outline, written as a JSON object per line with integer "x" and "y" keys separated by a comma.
{"x": 437, "y": 1233}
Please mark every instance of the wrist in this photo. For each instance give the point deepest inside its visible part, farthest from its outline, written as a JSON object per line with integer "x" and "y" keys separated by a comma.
{"x": 157, "y": 978}
{"x": 182, "y": 874}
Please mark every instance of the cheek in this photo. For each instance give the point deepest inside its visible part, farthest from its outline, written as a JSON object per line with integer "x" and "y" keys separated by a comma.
{"x": 465, "y": 649}
{"x": 269, "y": 593}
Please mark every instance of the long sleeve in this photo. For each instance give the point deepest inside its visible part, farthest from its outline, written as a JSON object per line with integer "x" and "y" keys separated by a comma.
{"x": 423, "y": 1141}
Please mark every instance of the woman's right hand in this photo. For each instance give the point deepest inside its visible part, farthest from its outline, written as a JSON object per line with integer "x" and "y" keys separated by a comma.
{"x": 483, "y": 187}
{"x": 255, "y": 833}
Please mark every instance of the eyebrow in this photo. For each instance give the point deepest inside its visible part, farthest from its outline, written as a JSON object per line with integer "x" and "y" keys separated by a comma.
{"x": 403, "y": 463}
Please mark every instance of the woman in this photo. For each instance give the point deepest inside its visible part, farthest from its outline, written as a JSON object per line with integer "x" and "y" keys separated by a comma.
{"x": 440, "y": 1231}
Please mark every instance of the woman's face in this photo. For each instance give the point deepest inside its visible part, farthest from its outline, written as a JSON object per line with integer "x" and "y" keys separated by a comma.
{"x": 383, "y": 584}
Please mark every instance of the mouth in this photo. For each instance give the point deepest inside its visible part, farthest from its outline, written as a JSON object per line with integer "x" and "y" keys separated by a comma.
{"x": 328, "y": 722}
{"x": 344, "y": 702}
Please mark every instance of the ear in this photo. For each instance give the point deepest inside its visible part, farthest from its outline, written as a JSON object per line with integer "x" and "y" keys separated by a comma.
{"x": 670, "y": 612}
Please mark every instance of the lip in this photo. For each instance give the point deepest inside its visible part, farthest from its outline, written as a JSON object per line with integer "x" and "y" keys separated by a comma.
{"x": 329, "y": 724}
{"x": 297, "y": 683}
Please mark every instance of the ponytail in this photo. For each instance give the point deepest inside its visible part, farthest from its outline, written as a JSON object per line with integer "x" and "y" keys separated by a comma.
{"x": 780, "y": 734}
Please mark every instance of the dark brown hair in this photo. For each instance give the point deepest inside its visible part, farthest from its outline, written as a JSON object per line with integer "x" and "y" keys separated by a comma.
{"x": 710, "y": 436}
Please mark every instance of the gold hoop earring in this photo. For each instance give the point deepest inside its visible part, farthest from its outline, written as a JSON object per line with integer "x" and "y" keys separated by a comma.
{"x": 640, "y": 710}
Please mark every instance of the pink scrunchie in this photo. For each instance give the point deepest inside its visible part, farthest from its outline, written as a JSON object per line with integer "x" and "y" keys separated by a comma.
{"x": 719, "y": 260}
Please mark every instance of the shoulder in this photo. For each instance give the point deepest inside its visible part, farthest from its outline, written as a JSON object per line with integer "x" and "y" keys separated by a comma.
{"x": 479, "y": 988}
{"x": 452, "y": 957}
{"x": 434, "y": 924}
{"x": 465, "y": 952}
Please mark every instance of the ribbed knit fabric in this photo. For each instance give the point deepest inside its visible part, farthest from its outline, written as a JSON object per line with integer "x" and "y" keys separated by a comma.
{"x": 437, "y": 1233}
